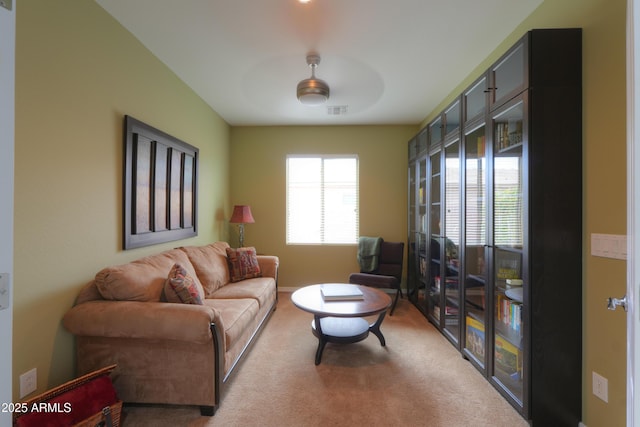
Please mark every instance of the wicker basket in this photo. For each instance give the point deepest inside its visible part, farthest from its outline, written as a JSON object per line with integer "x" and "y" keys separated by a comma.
{"x": 112, "y": 410}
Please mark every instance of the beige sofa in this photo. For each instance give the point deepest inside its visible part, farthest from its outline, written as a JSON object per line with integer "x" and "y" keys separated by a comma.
{"x": 174, "y": 352}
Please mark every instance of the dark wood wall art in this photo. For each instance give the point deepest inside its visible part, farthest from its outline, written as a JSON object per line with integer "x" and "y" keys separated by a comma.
{"x": 160, "y": 186}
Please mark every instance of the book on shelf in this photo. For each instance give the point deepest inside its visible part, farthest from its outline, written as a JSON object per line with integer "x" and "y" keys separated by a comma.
{"x": 449, "y": 312}
{"x": 514, "y": 283}
{"x": 508, "y": 134}
{"x": 508, "y": 266}
{"x": 338, "y": 292}
{"x": 509, "y": 312}
{"x": 508, "y": 357}
{"x": 507, "y": 273}
{"x": 475, "y": 337}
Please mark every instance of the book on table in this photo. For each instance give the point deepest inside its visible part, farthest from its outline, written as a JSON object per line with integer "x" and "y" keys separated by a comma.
{"x": 338, "y": 292}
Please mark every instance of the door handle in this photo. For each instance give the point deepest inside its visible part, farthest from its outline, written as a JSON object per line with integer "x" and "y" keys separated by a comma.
{"x": 613, "y": 303}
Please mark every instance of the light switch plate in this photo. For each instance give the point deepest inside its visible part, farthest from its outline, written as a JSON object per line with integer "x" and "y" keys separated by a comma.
{"x": 7, "y": 4}
{"x": 4, "y": 291}
{"x": 600, "y": 386}
{"x": 28, "y": 382}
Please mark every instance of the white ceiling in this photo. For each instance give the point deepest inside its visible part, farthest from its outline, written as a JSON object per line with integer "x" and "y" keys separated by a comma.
{"x": 388, "y": 61}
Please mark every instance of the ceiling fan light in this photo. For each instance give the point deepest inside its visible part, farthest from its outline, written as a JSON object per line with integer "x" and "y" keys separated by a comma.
{"x": 313, "y": 92}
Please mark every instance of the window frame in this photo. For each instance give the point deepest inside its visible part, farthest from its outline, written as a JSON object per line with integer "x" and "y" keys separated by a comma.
{"x": 323, "y": 158}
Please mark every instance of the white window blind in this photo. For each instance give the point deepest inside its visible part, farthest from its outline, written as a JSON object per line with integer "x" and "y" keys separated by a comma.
{"x": 322, "y": 200}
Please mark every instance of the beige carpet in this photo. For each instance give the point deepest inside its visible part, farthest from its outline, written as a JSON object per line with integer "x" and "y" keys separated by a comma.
{"x": 418, "y": 379}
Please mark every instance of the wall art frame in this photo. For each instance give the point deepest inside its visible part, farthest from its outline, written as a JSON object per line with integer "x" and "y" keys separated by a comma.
{"x": 160, "y": 194}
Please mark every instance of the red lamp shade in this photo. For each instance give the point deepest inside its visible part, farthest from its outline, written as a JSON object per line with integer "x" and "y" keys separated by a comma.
{"x": 242, "y": 215}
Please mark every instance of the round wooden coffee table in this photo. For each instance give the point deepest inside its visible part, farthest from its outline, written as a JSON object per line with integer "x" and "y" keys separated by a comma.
{"x": 341, "y": 321}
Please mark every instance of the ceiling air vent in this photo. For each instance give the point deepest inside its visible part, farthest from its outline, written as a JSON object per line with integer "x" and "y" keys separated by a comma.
{"x": 337, "y": 110}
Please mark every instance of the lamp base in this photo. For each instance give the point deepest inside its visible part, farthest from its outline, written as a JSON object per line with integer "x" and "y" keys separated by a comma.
{"x": 241, "y": 232}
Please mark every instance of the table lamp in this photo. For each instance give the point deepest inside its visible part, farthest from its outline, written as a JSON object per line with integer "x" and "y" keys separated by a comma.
{"x": 241, "y": 216}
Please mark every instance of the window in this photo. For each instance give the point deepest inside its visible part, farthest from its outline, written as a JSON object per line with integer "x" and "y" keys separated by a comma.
{"x": 322, "y": 200}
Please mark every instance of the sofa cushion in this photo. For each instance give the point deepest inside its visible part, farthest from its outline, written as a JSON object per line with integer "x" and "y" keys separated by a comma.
{"x": 236, "y": 314}
{"x": 180, "y": 287}
{"x": 243, "y": 263}
{"x": 210, "y": 264}
{"x": 261, "y": 289}
{"x": 142, "y": 279}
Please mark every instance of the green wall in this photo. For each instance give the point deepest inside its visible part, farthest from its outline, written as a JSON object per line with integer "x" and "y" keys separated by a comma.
{"x": 78, "y": 72}
{"x": 604, "y": 185}
{"x": 258, "y": 172}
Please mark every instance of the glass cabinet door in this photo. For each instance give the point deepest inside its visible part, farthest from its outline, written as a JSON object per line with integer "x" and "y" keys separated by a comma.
{"x": 452, "y": 118}
{"x": 413, "y": 148}
{"x": 411, "y": 228}
{"x": 508, "y": 76}
{"x": 451, "y": 228}
{"x": 436, "y": 238}
{"x": 475, "y": 100}
{"x": 411, "y": 219}
{"x": 475, "y": 217}
{"x": 508, "y": 242}
{"x": 421, "y": 147}
{"x": 435, "y": 131}
{"x": 421, "y": 235}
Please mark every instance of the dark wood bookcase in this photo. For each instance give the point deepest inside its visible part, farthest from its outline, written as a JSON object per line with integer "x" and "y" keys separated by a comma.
{"x": 495, "y": 225}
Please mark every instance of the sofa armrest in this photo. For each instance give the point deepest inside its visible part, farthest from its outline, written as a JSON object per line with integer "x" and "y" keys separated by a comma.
{"x": 269, "y": 266}
{"x": 89, "y": 292}
{"x": 135, "y": 319}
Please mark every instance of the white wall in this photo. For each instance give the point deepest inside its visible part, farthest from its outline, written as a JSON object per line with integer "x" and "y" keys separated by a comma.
{"x": 7, "y": 79}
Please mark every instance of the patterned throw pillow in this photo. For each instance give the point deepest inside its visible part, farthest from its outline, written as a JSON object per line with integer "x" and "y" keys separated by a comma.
{"x": 180, "y": 287}
{"x": 243, "y": 263}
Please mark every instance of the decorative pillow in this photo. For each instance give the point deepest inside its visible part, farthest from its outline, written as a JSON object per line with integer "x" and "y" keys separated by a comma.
{"x": 243, "y": 263}
{"x": 210, "y": 265}
{"x": 180, "y": 287}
